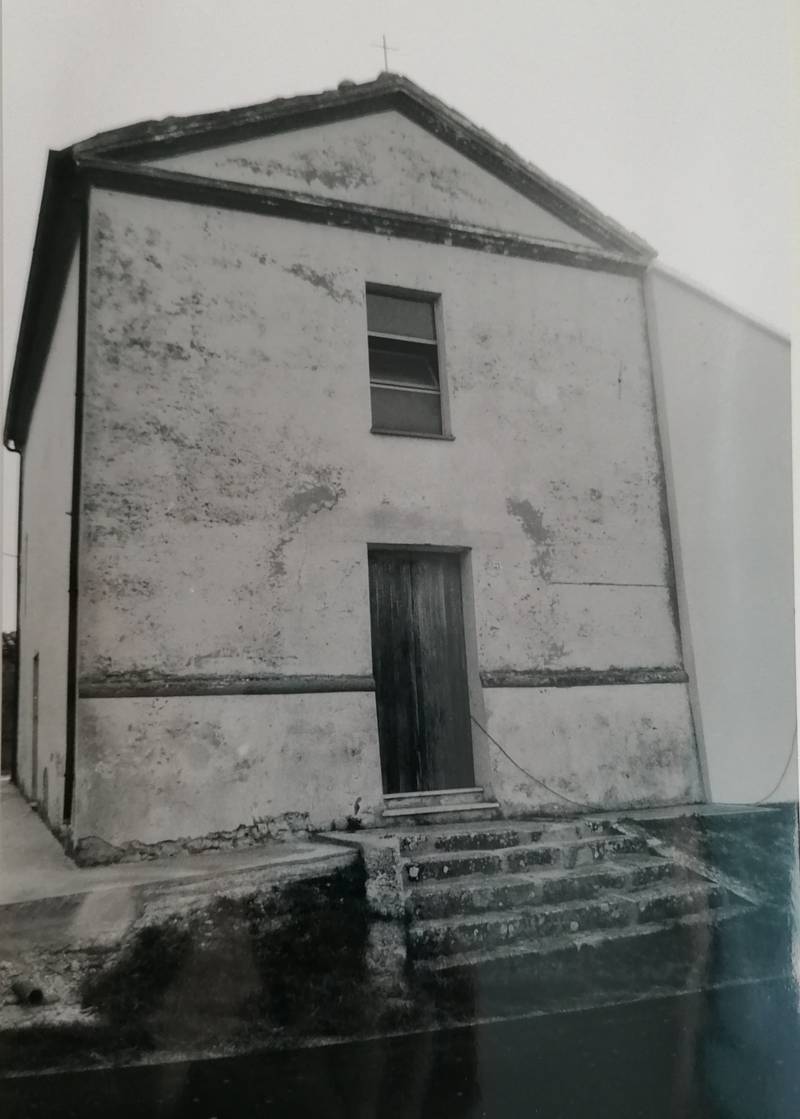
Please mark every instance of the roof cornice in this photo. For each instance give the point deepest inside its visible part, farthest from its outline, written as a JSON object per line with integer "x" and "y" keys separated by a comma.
{"x": 157, "y": 182}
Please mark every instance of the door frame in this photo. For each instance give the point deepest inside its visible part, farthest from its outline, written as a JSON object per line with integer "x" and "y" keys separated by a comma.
{"x": 481, "y": 763}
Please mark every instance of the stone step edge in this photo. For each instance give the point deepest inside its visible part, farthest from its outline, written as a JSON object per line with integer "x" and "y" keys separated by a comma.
{"x": 649, "y": 893}
{"x": 627, "y": 861}
{"x": 544, "y": 825}
{"x": 575, "y": 942}
{"x": 434, "y": 793}
{"x": 440, "y": 809}
{"x": 463, "y": 855}
{"x": 525, "y": 833}
{"x": 620, "y": 869}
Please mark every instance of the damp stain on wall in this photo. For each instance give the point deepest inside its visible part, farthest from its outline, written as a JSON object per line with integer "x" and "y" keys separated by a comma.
{"x": 540, "y": 536}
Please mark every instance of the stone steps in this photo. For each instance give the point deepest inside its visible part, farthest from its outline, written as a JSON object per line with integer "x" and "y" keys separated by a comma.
{"x": 533, "y": 886}
{"x": 473, "y": 894}
{"x": 536, "y": 885}
{"x": 663, "y": 901}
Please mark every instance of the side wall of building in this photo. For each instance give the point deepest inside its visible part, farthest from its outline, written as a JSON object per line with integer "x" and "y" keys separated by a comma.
{"x": 231, "y": 489}
{"x": 47, "y": 466}
{"x": 724, "y": 383}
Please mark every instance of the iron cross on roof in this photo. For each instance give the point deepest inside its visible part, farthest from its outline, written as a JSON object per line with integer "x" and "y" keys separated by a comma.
{"x": 382, "y": 45}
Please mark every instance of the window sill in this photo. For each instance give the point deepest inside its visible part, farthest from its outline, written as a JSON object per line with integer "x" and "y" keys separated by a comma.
{"x": 411, "y": 434}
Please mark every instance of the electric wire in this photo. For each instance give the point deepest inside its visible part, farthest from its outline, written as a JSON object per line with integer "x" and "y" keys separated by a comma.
{"x": 777, "y": 785}
{"x": 536, "y": 780}
{"x": 599, "y": 807}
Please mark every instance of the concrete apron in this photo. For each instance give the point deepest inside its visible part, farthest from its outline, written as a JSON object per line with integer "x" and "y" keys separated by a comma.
{"x": 60, "y": 924}
{"x": 57, "y": 919}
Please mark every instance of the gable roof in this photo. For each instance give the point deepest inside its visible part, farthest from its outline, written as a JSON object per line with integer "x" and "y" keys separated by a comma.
{"x": 102, "y": 158}
{"x": 156, "y": 139}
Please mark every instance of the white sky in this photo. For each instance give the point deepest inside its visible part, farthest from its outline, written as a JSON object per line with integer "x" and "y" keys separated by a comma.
{"x": 673, "y": 116}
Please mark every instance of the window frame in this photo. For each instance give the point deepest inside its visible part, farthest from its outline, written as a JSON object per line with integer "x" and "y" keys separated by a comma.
{"x": 434, "y": 300}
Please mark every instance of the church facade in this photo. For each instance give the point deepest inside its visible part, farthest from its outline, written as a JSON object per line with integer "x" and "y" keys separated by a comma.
{"x": 351, "y": 412}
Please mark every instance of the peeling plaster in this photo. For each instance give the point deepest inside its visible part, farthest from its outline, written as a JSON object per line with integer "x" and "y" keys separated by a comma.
{"x": 313, "y": 499}
{"x": 340, "y": 173}
{"x": 91, "y": 850}
{"x": 321, "y": 493}
{"x": 324, "y": 280}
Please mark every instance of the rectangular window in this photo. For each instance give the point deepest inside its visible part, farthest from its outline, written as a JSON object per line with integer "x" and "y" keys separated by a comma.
{"x": 403, "y": 363}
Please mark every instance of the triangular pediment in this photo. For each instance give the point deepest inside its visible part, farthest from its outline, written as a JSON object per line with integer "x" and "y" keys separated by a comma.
{"x": 382, "y": 160}
{"x": 387, "y": 145}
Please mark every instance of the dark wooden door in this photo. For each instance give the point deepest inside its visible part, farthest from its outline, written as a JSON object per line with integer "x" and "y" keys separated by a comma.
{"x": 420, "y": 667}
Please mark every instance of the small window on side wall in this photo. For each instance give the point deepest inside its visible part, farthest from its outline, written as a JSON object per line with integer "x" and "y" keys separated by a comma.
{"x": 403, "y": 363}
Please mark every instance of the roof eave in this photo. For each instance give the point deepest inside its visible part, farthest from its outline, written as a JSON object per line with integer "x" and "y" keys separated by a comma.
{"x": 56, "y": 234}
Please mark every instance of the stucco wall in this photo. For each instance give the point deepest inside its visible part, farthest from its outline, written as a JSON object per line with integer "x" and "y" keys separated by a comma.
{"x": 44, "y": 595}
{"x": 231, "y": 484}
{"x": 245, "y": 758}
{"x": 726, "y": 413}
{"x": 591, "y": 747}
